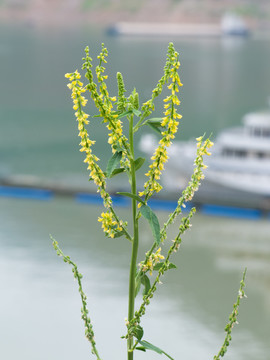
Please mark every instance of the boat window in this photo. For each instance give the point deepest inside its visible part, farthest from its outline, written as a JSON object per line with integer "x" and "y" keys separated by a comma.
{"x": 227, "y": 152}
{"x": 240, "y": 153}
{"x": 234, "y": 152}
{"x": 257, "y": 132}
{"x": 260, "y": 132}
{"x": 266, "y": 132}
{"x": 261, "y": 155}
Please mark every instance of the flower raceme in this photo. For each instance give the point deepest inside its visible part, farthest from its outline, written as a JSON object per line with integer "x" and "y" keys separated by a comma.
{"x": 79, "y": 101}
{"x": 103, "y": 102}
{"x": 169, "y": 123}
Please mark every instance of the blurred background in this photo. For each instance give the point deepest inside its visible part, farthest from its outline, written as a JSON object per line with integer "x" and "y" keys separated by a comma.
{"x": 225, "y": 77}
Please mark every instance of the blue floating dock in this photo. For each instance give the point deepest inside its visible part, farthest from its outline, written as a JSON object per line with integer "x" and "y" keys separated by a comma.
{"x": 124, "y": 202}
{"x": 25, "y": 193}
{"x": 229, "y": 211}
{"x": 95, "y": 199}
{"x": 167, "y": 205}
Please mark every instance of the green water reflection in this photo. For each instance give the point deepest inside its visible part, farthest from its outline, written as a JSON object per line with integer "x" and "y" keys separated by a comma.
{"x": 40, "y": 308}
{"x": 223, "y": 79}
{"x": 40, "y": 304}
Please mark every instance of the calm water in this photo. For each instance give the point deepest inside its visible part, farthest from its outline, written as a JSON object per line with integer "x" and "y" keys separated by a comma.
{"x": 40, "y": 308}
{"x": 223, "y": 80}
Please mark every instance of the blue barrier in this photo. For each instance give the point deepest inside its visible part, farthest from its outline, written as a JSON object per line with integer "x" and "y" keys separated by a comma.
{"x": 96, "y": 199}
{"x": 25, "y": 193}
{"x": 122, "y": 201}
{"x": 229, "y": 211}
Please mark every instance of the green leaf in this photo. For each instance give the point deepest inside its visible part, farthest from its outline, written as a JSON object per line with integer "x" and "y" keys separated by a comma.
{"x": 151, "y": 217}
{"x": 139, "y": 163}
{"x": 146, "y": 283}
{"x": 125, "y": 114}
{"x": 159, "y": 265}
{"x": 148, "y": 346}
{"x": 141, "y": 348}
{"x": 157, "y": 121}
{"x": 154, "y": 127}
{"x": 138, "y": 332}
{"x": 113, "y": 163}
{"x": 117, "y": 171}
{"x": 119, "y": 234}
{"x": 136, "y": 112}
{"x": 154, "y": 123}
{"x": 133, "y": 196}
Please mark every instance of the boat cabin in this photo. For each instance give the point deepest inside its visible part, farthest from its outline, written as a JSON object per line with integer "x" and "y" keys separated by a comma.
{"x": 252, "y": 141}
{"x": 258, "y": 124}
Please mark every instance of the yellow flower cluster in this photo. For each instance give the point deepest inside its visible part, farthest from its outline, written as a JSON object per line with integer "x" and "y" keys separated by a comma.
{"x": 109, "y": 225}
{"x": 152, "y": 260}
{"x": 170, "y": 123}
{"x": 116, "y": 136}
{"x": 202, "y": 150}
{"x": 79, "y": 102}
{"x": 105, "y": 105}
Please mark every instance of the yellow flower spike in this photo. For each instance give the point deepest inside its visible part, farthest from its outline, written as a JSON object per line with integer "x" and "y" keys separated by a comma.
{"x": 160, "y": 156}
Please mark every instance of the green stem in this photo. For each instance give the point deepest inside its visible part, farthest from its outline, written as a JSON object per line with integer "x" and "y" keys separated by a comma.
{"x": 135, "y": 244}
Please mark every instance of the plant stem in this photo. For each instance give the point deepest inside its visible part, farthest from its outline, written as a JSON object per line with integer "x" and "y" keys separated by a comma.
{"x": 135, "y": 244}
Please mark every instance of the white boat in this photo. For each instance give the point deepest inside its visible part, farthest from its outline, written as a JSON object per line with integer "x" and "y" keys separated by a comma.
{"x": 234, "y": 25}
{"x": 238, "y": 170}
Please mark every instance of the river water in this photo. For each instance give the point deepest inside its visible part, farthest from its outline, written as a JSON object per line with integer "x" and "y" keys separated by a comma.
{"x": 40, "y": 307}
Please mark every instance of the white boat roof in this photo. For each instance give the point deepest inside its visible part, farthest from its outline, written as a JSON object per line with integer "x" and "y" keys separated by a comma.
{"x": 241, "y": 137}
{"x": 242, "y": 141}
{"x": 257, "y": 120}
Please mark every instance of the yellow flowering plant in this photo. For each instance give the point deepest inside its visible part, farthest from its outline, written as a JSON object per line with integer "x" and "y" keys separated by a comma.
{"x": 114, "y": 110}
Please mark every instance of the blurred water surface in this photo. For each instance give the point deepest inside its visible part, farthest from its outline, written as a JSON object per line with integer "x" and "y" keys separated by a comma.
{"x": 223, "y": 79}
{"x": 40, "y": 307}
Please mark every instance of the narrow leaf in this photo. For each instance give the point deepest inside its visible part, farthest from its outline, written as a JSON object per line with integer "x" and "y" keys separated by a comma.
{"x": 138, "y": 332}
{"x": 154, "y": 127}
{"x": 119, "y": 234}
{"x": 125, "y": 114}
{"x": 136, "y": 112}
{"x": 139, "y": 163}
{"x": 117, "y": 171}
{"x": 157, "y": 121}
{"x": 133, "y": 196}
{"x": 147, "y": 345}
{"x": 113, "y": 163}
{"x": 151, "y": 217}
{"x": 141, "y": 348}
{"x": 146, "y": 283}
{"x": 159, "y": 265}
